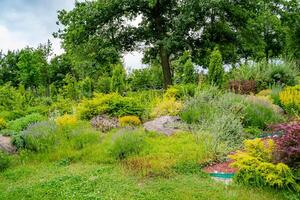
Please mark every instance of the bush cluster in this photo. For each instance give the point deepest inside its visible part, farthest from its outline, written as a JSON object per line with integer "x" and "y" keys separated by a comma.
{"x": 111, "y": 104}
{"x": 256, "y": 167}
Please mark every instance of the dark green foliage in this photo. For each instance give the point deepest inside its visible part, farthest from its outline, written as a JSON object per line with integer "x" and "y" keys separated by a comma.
{"x": 4, "y": 161}
{"x": 147, "y": 78}
{"x": 103, "y": 85}
{"x": 215, "y": 69}
{"x": 118, "y": 79}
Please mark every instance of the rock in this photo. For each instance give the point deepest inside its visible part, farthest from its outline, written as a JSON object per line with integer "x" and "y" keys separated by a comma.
{"x": 6, "y": 145}
{"x": 104, "y": 123}
{"x": 165, "y": 125}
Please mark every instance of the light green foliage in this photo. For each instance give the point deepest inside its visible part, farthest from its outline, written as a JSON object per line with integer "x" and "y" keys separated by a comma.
{"x": 267, "y": 75}
{"x": 182, "y": 91}
{"x": 256, "y": 167}
{"x": 23, "y": 122}
{"x": 118, "y": 79}
{"x": 48, "y": 138}
{"x": 4, "y": 161}
{"x": 215, "y": 69}
{"x": 112, "y": 104}
{"x": 168, "y": 106}
{"x": 127, "y": 143}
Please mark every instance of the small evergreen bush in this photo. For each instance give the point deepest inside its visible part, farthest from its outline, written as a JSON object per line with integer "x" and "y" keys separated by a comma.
{"x": 23, "y": 122}
{"x": 215, "y": 69}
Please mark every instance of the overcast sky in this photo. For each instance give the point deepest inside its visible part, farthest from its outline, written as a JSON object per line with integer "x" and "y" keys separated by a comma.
{"x": 31, "y": 22}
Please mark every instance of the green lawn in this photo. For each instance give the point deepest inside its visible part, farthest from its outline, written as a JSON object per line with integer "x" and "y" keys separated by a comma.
{"x": 84, "y": 181}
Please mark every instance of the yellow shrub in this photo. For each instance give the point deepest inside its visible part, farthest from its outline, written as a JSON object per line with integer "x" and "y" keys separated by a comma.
{"x": 290, "y": 98}
{"x": 168, "y": 106}
{"x": 66, "y": 120}
{"x": 264, "y": 93}
{"x": 256, "y": 167}
{"x": 3, "y": 124}
{"x": 129, "y": 121}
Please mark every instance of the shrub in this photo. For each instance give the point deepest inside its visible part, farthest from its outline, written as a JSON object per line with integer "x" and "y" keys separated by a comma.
{"x": 215, "y": 69}
{"x": 3, "y": 124}
{"x": 127, "y": 143}
{"x": 104, "y": 123}
{"x": 66, "y": 120}
{"x": 266, "y": 75}
{"x": 4, "y": 161}
{"x": 39, "y": 137}
{"x": 113, "y": 104}
{"x": 288, "y": 146}
{"x": 181, "y": 91}
{"x": 281, "y": 74}
{"x": 288, "y": 149}
{"x": 168, "y": 106}
{"x": 103, "y": 85}
{"x": 129, "y": 121}
{"x": 22, "y": 123}
{"x": 243, "y": 86}
{"x": 118, "y": 79}
{"x": 260, "y": 113}
{"x": 290, "y": 99}
{"x": 255, "y": 167}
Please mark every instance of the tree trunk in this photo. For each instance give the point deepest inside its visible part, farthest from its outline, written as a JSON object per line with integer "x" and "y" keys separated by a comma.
{"x": 165, "y": 63}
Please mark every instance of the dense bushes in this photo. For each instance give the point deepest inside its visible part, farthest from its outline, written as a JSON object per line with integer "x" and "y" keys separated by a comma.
{"x": 47, "y": 137}
{"x": 266, "y": 75}
{"x": 23, "y": 122}
{"x": 256, "y": 167}
{"x": 4, "y": 161}
{"x": 110, "y": 104}
{"x": 167, "y": 106}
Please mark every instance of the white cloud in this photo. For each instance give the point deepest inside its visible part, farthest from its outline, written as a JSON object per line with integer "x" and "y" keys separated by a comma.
{"x": 30, "y": 23}
{"x": 11, "y": 40}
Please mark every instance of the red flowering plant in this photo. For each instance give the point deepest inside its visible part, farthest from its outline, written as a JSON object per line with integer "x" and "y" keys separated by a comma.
{"x": 288, "y": 145}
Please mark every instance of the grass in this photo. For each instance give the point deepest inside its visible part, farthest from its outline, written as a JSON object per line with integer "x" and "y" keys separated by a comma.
{"x": 84, "y": 181}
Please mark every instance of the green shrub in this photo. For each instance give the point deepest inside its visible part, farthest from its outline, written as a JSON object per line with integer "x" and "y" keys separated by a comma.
{"x": 11, "y": 115}
{"x": 112, "y": 104}
{"x": 118, "y": 79}
{"x": 266, "y": 75}
{"x": 181, "y": 91}
{"x": 215, "y": 69}
{"x": 103, "y": 85}
{"x": 127, "y": 143}
{"x": 38, "y": 137}
{"x": 22, "y": 123}
{"x": 4, "y": 161}
{"x": 260, "y": 113}
{"x": 46, "y": 137}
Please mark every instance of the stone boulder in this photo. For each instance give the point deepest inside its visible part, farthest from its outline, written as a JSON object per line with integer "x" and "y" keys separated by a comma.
{"x": 166, "y": 125}
{"x": 104, "y": 123}
{"x": 6, "y": 145}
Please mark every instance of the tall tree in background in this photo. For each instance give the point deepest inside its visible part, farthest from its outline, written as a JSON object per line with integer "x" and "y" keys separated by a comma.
{"x": 107, "y": 23}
